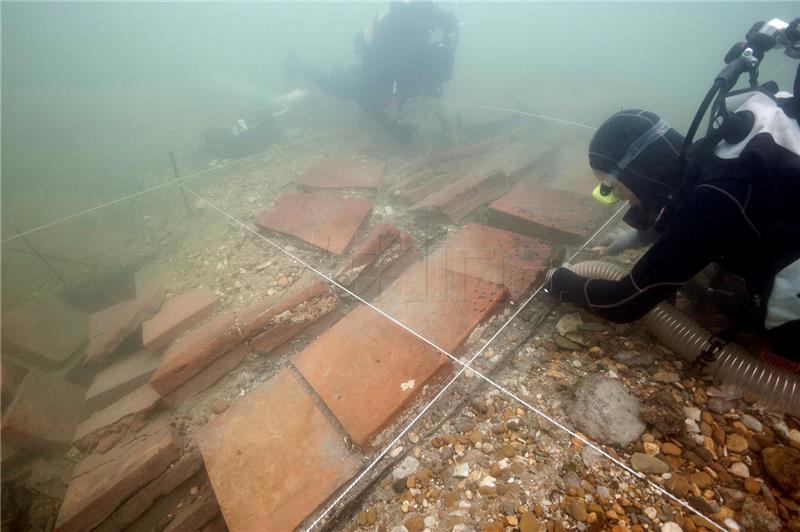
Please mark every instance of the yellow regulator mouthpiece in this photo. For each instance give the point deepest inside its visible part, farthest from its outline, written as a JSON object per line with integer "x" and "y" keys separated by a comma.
{"x": 604, "y": 194}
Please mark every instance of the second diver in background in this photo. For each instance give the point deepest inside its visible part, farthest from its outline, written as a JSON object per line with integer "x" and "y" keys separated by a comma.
{"x": 407, "y": 51}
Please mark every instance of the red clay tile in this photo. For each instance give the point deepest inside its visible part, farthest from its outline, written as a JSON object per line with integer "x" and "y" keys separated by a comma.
{"x": 468, "y": 150}
{"x": 515, "y": 261}
{"x": 324, "y": 220}
{"x": 488, "y": 181}
{"x": 102, "y": 482}
{"x": 191, "y": 353}
{"x": 273, "y": 457}
{"x": 555, "y": 215}
{"x": 109, "y": 327}
{"x": 367, "y": 360}
{"x": 120, "y": 378}
{"x": 45, "y": 331}
{"x": 202, "y": 509}
{"x": 176, "y": 315}
{"x": 207, "y": 376}
{"x": 367, "y": 250}
{"x": 387, "y": 268}
{"x": 44, "y": 414}
{"x": 135, "y": 405}
{"x": 441, "y": 305}
{"x": 340, "y": 172}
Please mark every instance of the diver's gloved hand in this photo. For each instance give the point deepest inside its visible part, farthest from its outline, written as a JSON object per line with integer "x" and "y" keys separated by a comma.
{"x": 561, "y": 283}
{"x": 624, "y": 239}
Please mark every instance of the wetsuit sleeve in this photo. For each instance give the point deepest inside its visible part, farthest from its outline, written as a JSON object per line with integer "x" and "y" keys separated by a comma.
{"x": 698, "y": 235}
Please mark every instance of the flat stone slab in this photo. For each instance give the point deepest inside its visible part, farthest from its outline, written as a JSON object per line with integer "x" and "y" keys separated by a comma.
{"x": 109, "y": 327}
{"x": 44, "y": 414}
{"x": 273, "y": 457}
{"x": 515, "y": 261}
{"x": 102, "y": 482}
{"x": 136, "y": 404}
{"x": 191, "y": 353}
{"x": 46, "y": 331}
{"x": 176, "y": 315}
{"x": 322, "y": 219}
{"x": 555, "y": 215}
{"x": 120, "y": 378}
{"x": 342, "y": 172}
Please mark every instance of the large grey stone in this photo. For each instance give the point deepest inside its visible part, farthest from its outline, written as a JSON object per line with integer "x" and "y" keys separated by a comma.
{"x": 605, "y": 410}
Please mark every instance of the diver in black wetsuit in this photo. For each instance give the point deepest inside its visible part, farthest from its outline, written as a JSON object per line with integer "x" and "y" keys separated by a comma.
{"x": 406, "y": 52}
{"x": 738, "y": 206}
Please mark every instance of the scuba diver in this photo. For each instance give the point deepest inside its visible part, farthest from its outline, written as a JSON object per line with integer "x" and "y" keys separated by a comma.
{"x": 408, "y": 51}
{"x": 731, "y": 198}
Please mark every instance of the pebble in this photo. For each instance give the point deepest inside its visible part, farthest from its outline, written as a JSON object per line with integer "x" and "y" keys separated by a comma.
{"x": 590, "y": 456}
{"x": 692, "y": 413}
{"x": 568, "y": 323}
{"x": 720, "y": 406}
{"x": 666, "y": 377}
{"x": 671, "y": 449}
{"x": 461, "y": 470}
{"x": 736, "y": 443}
{"x": 671, "y": 526}
{"x": 740, "y": 469}
{"x": 752, "y": 485}
{"x": 634, "y": 359}
{"x": 648, "y": 464}
{"x": 650, "y": 512}
{"x": 701, "y": 479}
{"x": 219, "y": 405}
{"x": 576, "y": 509}
{"x": 408, "y": 466}
{"x": 752, "y": 423}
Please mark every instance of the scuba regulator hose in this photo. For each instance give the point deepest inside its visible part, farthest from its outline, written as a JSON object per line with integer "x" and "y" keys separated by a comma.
{"x": 729, "y": 362}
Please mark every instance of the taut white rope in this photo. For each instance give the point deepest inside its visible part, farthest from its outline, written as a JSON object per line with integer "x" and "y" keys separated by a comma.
{"x": 162, "y": 185}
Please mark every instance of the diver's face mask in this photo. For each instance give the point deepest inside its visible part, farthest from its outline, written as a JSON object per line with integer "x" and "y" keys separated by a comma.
{"x": 604, "y": 191}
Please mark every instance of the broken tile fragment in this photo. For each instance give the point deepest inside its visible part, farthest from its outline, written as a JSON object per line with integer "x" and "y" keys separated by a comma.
{"x": 176, "y": 315}
{"x": 119, "y": 379}
{"x": 117, "y": 416}
{"x": 191, "y": 353}
{"x": 109, "y": 327}
{"x": 102, "y": 482}
{"x": 324, "y": 220}
{"x": 207, "y": 376}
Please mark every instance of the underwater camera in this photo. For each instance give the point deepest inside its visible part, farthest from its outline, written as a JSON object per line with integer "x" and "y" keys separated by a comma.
{"x": 249, "y": 134}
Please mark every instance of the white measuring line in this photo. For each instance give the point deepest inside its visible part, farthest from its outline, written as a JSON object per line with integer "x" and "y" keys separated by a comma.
{"x": 523, "y": 113}
{"x": 464, "y": 367}
{"x": 162, "y": 185}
